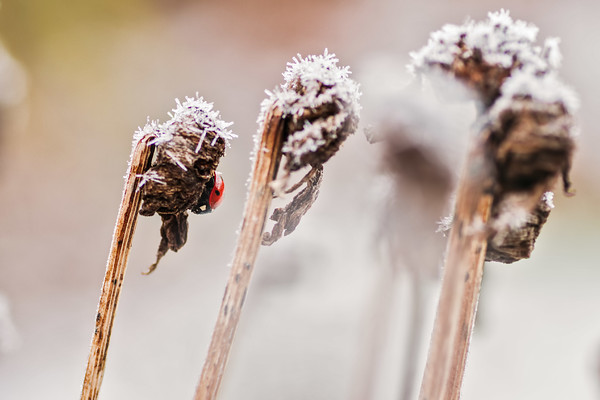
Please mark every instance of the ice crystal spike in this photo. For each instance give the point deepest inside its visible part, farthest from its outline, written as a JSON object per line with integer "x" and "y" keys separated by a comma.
{"x": 189, "y": 147}
{"x": 319, "y": 102}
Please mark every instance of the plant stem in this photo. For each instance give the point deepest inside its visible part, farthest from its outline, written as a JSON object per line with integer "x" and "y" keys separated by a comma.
{"x": 461, "y": 282}
{"x": 260, "y": 194}
{"x": 141, "y": 156}
{"x": 415, "y": 334}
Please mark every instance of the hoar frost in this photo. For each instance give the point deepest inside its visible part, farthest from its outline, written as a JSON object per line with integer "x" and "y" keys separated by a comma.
{"x": 188, "y": 149}
{"x": 319, "y": 102}
{"x": 525, "y": 118}
{"x": 488, "y": 55}
{"x": 318, "y": 108}
{"x": 499, "y": 40}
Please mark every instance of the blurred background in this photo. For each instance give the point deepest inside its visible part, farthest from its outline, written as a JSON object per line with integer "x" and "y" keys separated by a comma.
{"x": 78, "y": 78}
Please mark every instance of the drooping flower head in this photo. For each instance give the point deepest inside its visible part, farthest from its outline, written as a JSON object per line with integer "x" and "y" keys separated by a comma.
{"x": 320, "y": 104}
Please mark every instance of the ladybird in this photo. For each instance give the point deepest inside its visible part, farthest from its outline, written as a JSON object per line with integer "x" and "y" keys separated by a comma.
{"x": 211, "y": 196}
{"x": 216, "y": 193}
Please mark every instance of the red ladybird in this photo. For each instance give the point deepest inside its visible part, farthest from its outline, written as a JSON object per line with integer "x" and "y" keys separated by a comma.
{"x": 211, "y": 196}
{"x": 216, "y": 193}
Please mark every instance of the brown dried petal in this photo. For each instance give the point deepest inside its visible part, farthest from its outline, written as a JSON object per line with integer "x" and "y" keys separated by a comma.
{"x": 513, "y": 245}
{"x": 532, "y": 148}
{"x": 173, "y": 233}
{"x": 533, "y": 145}
{"x": 288, "y": 218}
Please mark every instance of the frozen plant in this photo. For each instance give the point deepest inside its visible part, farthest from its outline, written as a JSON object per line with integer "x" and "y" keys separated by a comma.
{"x": 530, "y": 133}
{"x": 320, "y": 104}
{"x": 305, "y": 121}
{"x": 181, "y": 177}
{"x": 525, "y": 118}
{"x": 524, "y": 145}
{"x": 482, "y": 54}
{"x": 188, "y": 147}
{"x": 320, "y": 108}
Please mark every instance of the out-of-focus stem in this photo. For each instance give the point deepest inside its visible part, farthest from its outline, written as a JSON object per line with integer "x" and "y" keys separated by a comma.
{"x": 115, "y": 268}
{"x": 266, "y": 164}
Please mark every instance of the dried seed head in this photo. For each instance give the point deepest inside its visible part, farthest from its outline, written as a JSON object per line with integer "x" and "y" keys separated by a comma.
{"x": 287, "y": 218}
{"x": 526, "y": 123}
{"x": 483, "y": 54}
{"x": 530, "y": 134}
{"x": 320, "y": 109}
{"x": 530, "y": 137}
{"x": 421, "y": 179}
{"x": 320, "y": 106}
{"x": 188, "y": 149}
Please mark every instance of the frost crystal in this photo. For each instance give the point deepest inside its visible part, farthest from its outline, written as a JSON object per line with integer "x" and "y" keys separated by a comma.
{"x": 151, "y": 128}
{"x": 193, "y": 116}
{"x": 547, "y": 89}
{"x": 525, "y": 118}
{"x": 499, "y": 40}
{"x": 548, "y": 199}
{"x": 320, "y": 103}
{"x": 198, "y": 116}
{"x": 188, "y": 149}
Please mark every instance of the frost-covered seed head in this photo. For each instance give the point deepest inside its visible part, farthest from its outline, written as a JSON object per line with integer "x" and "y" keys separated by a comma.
{"x": 188, "y": 149}
{"x": 526, "y": 120}
{"x": 196, "y": 115}
{"x": 483, "y": 54}
{"x": 320, "y": 105}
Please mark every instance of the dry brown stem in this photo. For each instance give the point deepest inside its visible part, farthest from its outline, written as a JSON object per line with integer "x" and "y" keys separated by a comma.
{"x": 461, "y": 281}
{"x": 266, "y": 164}
{"x": 115, "y": 268}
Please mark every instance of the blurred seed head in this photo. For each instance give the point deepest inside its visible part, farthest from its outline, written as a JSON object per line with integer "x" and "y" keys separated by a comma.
{"x": 419, "y": 145}
{"x": 526, "y": 119}
{"x": 482, "y": 54}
